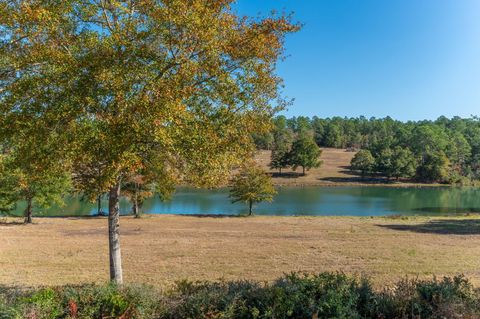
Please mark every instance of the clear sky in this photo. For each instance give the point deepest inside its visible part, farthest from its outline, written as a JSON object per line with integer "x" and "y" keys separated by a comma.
{"x": 410, "y": 59}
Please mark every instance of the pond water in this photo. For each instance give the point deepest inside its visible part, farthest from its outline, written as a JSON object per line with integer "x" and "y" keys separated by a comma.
{"x": 326, "y": 201}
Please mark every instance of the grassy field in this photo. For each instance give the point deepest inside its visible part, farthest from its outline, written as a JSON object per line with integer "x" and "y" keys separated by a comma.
{"x": 335, "y": 171}
{"x": 162, "y": 249}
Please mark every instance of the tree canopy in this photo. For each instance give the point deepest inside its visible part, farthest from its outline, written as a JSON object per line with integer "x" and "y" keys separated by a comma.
{"x": 173, "y": 86}
{"x": 364, "y": 162}
{"x": 32, "y": 172}
{"x": 252, "y": 185}
{"x": 304, "y": 153}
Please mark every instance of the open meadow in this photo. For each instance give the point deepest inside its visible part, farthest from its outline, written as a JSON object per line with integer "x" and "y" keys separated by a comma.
{"x": 334, "y": 169}
{"x": 160, "y": 250}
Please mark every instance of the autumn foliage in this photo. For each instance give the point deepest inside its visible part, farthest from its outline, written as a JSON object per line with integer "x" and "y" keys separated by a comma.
{"x": 118, "y": 87}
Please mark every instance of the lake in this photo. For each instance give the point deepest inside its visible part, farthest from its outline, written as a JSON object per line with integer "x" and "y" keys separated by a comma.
{"x": 309, "y": 201}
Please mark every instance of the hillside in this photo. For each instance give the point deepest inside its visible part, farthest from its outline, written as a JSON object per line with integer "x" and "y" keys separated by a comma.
{"x": 334, "y": 171}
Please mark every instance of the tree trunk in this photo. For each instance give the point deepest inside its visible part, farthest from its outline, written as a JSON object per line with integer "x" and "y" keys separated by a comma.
{"x": 136, "y": 208}
{"x": 28, "y": 212}
{"x": 99, "y": 205}
{"x": 280, "y": 171}
{"x": 114, "y": 236}
{"x": 303, "y": 167}
{"x": 250, "y": 204}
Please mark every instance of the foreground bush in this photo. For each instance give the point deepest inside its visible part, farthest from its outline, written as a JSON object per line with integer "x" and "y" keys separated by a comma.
{"x": 293, "y": 296}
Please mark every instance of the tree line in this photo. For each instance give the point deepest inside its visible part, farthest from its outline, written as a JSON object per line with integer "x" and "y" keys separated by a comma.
{"x": 442, "y": 150}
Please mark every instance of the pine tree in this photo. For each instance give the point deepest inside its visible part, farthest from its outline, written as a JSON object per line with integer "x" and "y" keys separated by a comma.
{"x": 404, "y": 163}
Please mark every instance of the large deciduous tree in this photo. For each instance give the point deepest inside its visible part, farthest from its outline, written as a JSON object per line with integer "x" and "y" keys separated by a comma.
{"x": 178, "y": 85}
{"x": 305, "y": 153}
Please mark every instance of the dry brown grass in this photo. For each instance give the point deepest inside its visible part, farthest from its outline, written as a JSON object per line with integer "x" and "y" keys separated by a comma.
{"x": 334, "y": 171}
{"x": 335, "y": 165}
{"x": 161, "y": 249}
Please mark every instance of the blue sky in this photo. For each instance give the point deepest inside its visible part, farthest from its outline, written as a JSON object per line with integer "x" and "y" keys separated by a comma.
{"x": 410, "y": 59}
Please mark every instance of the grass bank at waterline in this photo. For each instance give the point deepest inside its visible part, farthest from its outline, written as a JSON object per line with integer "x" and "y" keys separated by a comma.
{"x": 327, "y": 295}
{"x": 160, "y": 250}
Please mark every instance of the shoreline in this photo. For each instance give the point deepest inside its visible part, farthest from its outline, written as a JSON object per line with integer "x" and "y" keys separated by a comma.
{"x": 18, "y": 220}
{"x": 379, "y": 184}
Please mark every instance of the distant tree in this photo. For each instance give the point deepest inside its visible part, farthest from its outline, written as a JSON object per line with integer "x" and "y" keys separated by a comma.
{"x": 26, "y": 178}
{"x": 384, "y": 162}
{"x": 282, "y": 143}
{"x": 380, "y": 143}
{"x": 435, "y": 167}
{"x": 137, "y": 189}
{"x": 87, "y": 178}
{"x": 318, "y": 126}
{"x": 428, "y": 139}
{"x": 473, "y": 136}
{"x": 404, "y": 163}
{"x": 282, "y": 134}
{"x": 303, "y": 125}
{"x": 252, "y": 185}
{"x": 305, "y": 153}
{"x": 279, "y": 158}
{"x": 99, "y": 205}
{"x": 458, "y": 151}
{"x": 145, "y": 184}
{"x": 364, "y": 162}
{"x": 263, "y": 141}
{"x": 333, "y": 136}
{"x": 457, "y": 138}
{"x": 475, "y": 167}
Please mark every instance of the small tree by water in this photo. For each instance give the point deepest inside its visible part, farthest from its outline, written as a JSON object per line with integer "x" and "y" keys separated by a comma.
{"x": 26, "y": 175}
{"x": 252, "y": 185}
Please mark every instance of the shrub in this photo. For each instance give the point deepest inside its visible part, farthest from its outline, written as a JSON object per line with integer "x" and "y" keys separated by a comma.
{"x": 43, "y": 304}
{"x": 297, "y": 295}
{"x": 447, "y": 298}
